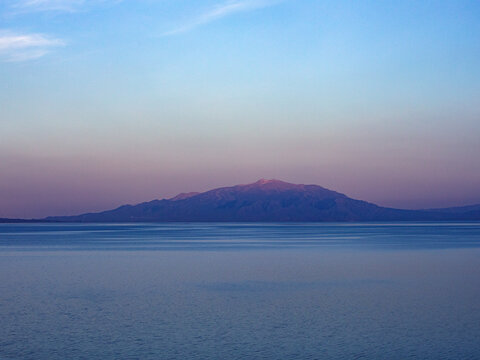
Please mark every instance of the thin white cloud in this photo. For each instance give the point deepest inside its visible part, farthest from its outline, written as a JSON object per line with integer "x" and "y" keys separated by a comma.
{"x": 48, "y": 5}
{"x": 25, "y": 6}
{"x": 220, "y": 11}
{"x": 21, "y": 47}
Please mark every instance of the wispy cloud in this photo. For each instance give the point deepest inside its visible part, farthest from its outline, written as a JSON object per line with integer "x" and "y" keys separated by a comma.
{"x": 220, "y": 11}
{"x": 47, "y": 5}
{"x": 25, "y": 6}
{"x": 21, "y": 47}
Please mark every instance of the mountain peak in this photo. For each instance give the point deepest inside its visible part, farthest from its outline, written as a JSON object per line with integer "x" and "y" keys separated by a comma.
{"x": 272, "y": 184}
{"x": 268, "y": 181}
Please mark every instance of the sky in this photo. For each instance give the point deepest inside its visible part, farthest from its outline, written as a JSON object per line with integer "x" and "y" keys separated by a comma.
{"x": 109, "y": 102}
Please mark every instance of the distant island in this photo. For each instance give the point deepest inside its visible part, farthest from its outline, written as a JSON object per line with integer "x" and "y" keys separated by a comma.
{"x": 265, "y": 201}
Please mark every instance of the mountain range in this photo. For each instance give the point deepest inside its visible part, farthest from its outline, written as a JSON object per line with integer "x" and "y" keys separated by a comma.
{"x": 267, "y": 201}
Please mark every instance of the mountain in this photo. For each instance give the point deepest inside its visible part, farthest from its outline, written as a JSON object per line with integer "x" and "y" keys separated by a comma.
{"x": 266, "y": 201}
{"x": 472, "y": 209}
{"x": 183, "y": 196}
{"x": 5, "y": 220}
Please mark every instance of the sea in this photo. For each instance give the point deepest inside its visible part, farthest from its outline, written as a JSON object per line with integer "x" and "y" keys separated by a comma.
{"x": 240, "y": 291}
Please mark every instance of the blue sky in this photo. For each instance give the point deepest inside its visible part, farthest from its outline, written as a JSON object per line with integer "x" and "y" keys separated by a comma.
{"x": 104, "y": 102}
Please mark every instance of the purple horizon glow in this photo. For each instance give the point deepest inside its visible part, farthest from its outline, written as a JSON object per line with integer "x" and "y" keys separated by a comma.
{"x": 104, "y": 103}
{"x": 34, "y": 188}
{"x": 93, "y": 169}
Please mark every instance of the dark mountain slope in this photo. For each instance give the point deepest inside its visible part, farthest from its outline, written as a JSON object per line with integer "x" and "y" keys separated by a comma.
{"x": 5, "y": 220}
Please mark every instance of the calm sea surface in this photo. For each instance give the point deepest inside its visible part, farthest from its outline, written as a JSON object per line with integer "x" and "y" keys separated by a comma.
{"x": 240, "y": 291}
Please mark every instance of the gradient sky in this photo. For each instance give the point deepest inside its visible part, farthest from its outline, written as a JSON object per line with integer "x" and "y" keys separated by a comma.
{"x": 107, "y": 102}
